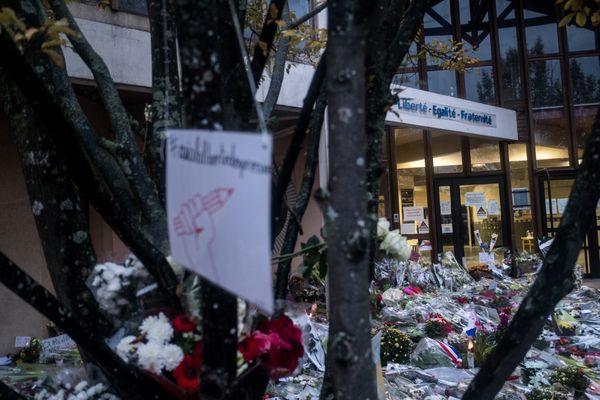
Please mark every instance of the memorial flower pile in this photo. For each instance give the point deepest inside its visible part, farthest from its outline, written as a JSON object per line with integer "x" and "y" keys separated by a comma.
{"x": 276, "y": 343}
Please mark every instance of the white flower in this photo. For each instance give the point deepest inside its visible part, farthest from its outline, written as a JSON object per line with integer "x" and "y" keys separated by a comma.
{"x": 172, "y": 356}
{"x": 157, "y": 329}
{"x": 126, "y": 348}
{"x": 383, "y": 228}
{"x": 395, "y": 245}
{"x": 149, "y": 356}
{"x": 154, "y": 357}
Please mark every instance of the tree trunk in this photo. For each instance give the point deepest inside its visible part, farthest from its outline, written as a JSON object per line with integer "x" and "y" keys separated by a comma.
{"x": 350, "y": 361}
{"x": 199, "y": 36}
{"x": 56, "y": 207}
{"x": 166, "y": 100}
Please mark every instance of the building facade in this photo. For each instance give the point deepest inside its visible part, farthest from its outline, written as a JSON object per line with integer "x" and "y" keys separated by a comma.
{"x": 463, "y": 183}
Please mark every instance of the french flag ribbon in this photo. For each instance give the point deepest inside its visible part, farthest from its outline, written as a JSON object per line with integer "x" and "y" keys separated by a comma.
{"x": 451, "y": 352}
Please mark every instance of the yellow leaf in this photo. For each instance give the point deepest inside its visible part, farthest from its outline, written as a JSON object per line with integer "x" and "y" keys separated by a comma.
{"x": 52, "y": 43}
{"x": 62, "y": 29}
{"x": 581, "y": 19}
{"x": 596, "y": 18}
{"x": 567, "y": 18}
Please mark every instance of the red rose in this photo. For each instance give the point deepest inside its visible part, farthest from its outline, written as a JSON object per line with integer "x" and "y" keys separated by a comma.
{"x": 284, "y": 345}
{"x": 187, "y": 374}
{"x": 254, "y": 345}
{"x": 182, "y": 324}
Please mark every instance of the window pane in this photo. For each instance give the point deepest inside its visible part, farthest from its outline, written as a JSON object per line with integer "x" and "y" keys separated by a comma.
{"x": 447, "y": 153}
{"x": 298, "y": 7}
{"x": 442, "y": 81}
{"x": 510, "y": 68}
{"x": 409, "y": 79}
{"x": 479, "y": 83}
{"x": 131, "y": 6}
{"x": 412, "y": 185}
{"x": 485, "y": 154}
{"x": 540, "y": 27}
{"x": 551, "y": 138}
{"x": 519, "y": 182}
{"x": 545, "y": 83}
{"x": 437, "y": 24}
{"x": 584, "y": 119}
{"x": 585, "y": 78}
{"x": 475, "y": 28}
{"x": 585, "y": 38}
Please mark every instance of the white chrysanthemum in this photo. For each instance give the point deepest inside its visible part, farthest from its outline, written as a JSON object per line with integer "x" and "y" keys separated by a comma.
{"x": 157, "y": 329}
{"x": 172, "y": 356}
{"x": 396, "y": 245}
{"x": 154, "y": 357}
{"x": 126, "y": 348}
{"x": 149, "y": 356}
{"x": 383, "y": 228}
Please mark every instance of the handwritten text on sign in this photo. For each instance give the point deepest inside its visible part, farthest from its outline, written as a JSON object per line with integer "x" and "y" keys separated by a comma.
{"x": 218, "y": 205}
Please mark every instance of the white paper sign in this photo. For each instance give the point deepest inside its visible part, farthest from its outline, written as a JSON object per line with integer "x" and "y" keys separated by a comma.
{"x": 447, "y": 228}
{"x": 218, "y": 207}
{"x": 408, "y": 229}
{"x": 493, "y": 207}
{"x": 22, "y": 341}
{"x": 476, "y": 199}
{"x": 445, "y": 208}
{"x": 413, "y": 213}
{"x": 60, "y": 342}
{"x": 486, "y": 258}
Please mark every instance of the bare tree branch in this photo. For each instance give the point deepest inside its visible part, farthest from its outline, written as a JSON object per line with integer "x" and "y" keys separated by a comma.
{"x": 132, "y": 164}
{"x": 60, "y": 221}
{"x": 554, "y": 281}
{"x": 64, "y": 133}
{"x": 278, "y": 71}
{"x": 266, "y": 38}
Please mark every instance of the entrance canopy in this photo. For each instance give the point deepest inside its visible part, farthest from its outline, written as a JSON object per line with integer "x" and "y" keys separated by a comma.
{"x": 419, "y": 108}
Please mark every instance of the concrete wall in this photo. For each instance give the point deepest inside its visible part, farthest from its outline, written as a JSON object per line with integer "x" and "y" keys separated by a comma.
{"x": 20, "y": 242}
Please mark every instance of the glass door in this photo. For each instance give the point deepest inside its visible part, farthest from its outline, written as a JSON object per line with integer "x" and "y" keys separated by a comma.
{"x": 469, "y": 219}
{"x": 556, "y": 189}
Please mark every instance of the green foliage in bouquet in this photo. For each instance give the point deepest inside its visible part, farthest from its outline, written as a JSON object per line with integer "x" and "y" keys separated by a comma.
{"x": 395, "y": 346}
{"x": 483, "y": 346}
{"x": 30, "y": 354}
{"x": 571, "y": 377}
